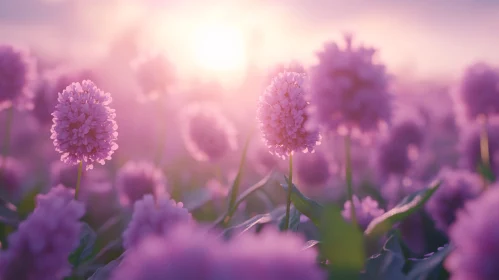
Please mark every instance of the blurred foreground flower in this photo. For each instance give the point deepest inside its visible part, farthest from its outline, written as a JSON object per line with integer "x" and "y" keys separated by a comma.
{"x": 16, "y": 74}
{"x": 207, "y": 134}
{"x": 270, "y": 255}
{"x": 153, "y": 216}
{"x": 40, "y": 248}
{"x": 84, "y": 128}
{"x": 282, "y": 116}
{"x": 474, "y": 236}
{"x": 136, "y": 179}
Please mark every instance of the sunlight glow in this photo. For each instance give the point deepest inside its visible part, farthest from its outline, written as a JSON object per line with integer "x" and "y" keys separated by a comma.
{"x": 219, "y": 48}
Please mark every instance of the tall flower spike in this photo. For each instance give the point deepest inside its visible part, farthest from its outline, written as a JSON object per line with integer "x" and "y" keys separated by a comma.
{"x": 154, "y": 216}
{"x": 474, "y": 237}
{"x": 349, "y": 90}
{"x": 17, "y": 71}
{"x": 84, "y": 129}
{"x": 207, "y": 134}
{"x": 40, "y": 248}
{"x": 136, "y": 179}
{"x": 282, "y": 116}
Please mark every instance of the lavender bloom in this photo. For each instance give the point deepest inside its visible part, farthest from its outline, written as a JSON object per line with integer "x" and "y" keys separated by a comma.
{"x": 393, "y": 159}
{"x": 48, "y": 87}
{"x": 153, "y": 216}
{"x": 207, "y": 134}
{"x": 10, "y": 177}
{"x": 349, "y": 89}
{"x": 282, "y": 116}
{"x": 312, "y": 169}
{"x": 270, "y": 255}
{"x": 474, "y": 236}
{"x": 470, "y": 146}
{"x": 479, "y": 91}
{"x": 41, "y": 246}
{"x": 136, "y": 179}
{"x": 154, "y": 73}
{"x": 366, "y": 210}
{"x": 84, "y": 128}
{"x": 458, "y": 187}
{"x": 407, "y": 133}
{"x": 395, "y": 189}
{"x": 16, "y": 74}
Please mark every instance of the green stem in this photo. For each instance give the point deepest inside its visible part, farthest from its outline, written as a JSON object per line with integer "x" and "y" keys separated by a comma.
{"x": 290, "y": 187}
{"x": 78, "y": 180}
{"x": 348, "y": 175}
{"x": 6, "y": 141}
{"x": 484, "y": 152}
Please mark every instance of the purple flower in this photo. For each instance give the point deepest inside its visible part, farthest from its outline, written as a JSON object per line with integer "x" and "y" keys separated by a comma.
{"x": 84, "y": 129}
{"x": 16, "y": 74}
{"x": 153, "y": 216}
{"x": 47, "y": 88}
{"x": 11, "y": 173}
{"x": 407, "y": 133}
{"x": 101, "y": 202}
{"x": 207, "y": 134}
{"x": 41, "y": 246}
{"x": 458, "y": 187}
{"x": 479, "y": 91}
{"x": 474, "y": 237}
{"x": 136, "y": 179}
{"x": 63, "y": 174}
{"x": 269, "y": 255}
{"x": 349, "y": 89}
{"x": 395, "y": 189}
{"x": 393, "y": 158}
{"x": 154, "y": 73}
{"x": 282, "y": 116}
{"x": 312, "y": 169}
{"x": 470, "y": 145}
{"x": 366, "y": 210}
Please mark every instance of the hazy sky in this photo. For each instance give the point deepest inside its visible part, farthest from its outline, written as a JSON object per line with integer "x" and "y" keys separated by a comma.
{"x": 427, "y": 37}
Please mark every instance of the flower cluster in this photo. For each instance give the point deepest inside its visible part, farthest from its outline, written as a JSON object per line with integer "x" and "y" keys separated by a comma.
{"x": 282, "y": 116}
{"x": 84, "y": 128}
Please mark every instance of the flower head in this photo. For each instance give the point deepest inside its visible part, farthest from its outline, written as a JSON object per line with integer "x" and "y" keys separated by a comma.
{"x": 153, "y": 216}
{"x": 458, "y": 187}
{"x": 136, "y": 179}
{"x": 349, "y": 90}
{"x": 479, "y": 91}
{"x": 84, "y": 128}
{"x": 312, "y": 169}
{"x": 282, "y": 116}
{"x": 16, "y": 73}
{"x": 207, "y": 134}
{"x": 40, "y": 248}
{"x": 365, "y": 209}
{"x": 474, "y": 237}
{"x": 408, "y": 133}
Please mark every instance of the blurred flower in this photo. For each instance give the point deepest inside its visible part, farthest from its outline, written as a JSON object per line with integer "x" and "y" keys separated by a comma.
{"x": 63, "y": 174}
{"x": 282, "y": 116}
{"x": 207, "y": 134}
{"x": 100, "y": 201}
{"x": 11, "y": 173}
{"x": 84, "y": 129}
{"x": 474, "y": 237}
{"x": 269, "y": 255}
{"x": 153, "y": 216}
{"x": 48, "y": 87}
{"x": 366, "y": 210}
{"x": 40, "y": 248}
{"x": 312, "y": 169}
{"x": 293, "y": 66}
{"x": 136, "y": 179}
{"x": 407, "y": 133}
{"x": 395, "y": 189}
{"x": 17, "y": 70}
{"x": 349, "y": 90}
{"x": 393, "y": 159}
{"x": 470, "y": 146}
{"x": 154, "y": 73}
{"x": 458, "y": 186}
{"x": 479, "y": 91}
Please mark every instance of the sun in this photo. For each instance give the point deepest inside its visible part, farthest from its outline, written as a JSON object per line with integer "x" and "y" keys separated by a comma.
{"x": 219, "y": 47}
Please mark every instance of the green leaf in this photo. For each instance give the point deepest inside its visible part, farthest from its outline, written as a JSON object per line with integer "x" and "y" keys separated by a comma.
{"x": 196, "y": 199}
{"x": 342, "y": 244}
{"x": 85, "y": 250}
{"x": 247, "y": 225}
{"x": 430, "y": 268}
{"x": 28, "y": 203}
{"x": 410, "y": 204}
{"x": 389, "y": 264}
{"x": 311, "y": 244}
{"x": 305, "y": 205}
{"x": 486, "y": 172}
{"x": 294, "y": 219}
{"x": 104, "y": 273}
